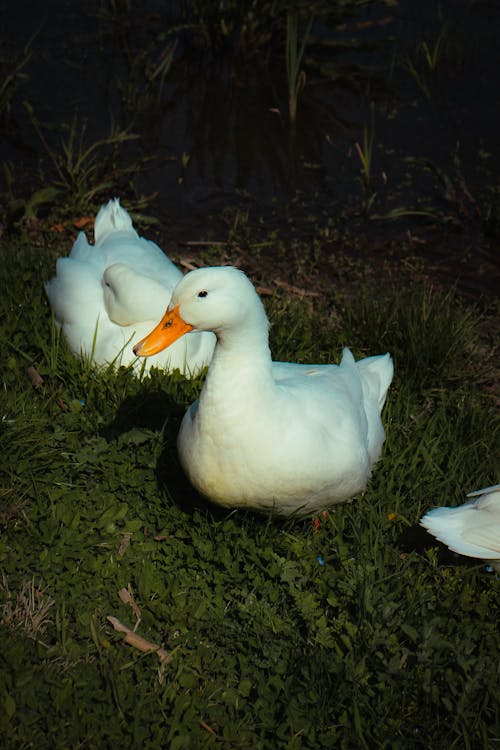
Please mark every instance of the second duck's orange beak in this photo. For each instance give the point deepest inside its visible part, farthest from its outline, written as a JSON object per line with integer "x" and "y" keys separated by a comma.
{"x": 170, "y": 328}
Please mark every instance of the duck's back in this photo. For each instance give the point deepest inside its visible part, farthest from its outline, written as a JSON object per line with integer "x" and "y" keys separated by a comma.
{"x": 123, "y": 245}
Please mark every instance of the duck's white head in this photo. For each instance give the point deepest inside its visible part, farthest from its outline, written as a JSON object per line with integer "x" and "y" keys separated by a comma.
{"x": 219, "y": 299}
{"x": 131, "y": 297}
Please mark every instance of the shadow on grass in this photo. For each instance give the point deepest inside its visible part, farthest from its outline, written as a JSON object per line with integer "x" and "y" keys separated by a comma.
{"x": 150, "y": 411}
{"x": 417, "y": 539}
{"x": 154, "y": 411}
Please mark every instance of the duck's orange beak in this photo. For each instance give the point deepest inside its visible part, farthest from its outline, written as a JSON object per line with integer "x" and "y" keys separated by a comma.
{"x": 170, "y": 328}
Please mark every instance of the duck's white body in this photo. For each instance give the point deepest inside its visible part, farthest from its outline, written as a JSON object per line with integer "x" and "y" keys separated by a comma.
{"x": 471, "y": 529}
{"x": 107, "y": 296}
{"x": 271, "y": 436}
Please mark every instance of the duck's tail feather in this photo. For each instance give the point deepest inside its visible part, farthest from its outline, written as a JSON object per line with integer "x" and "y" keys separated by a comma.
{"x": 112, "y": 218}
{"x": 376, "y": 375}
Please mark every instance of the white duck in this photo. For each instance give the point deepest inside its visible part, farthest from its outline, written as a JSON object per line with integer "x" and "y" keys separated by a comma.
{"x": 108, "y": 295}
{"x": 271, "y": 436}
{"x": 471, "y": 529}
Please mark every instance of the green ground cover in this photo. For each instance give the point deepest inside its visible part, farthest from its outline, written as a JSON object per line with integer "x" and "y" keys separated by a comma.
{"x": 356, "y": 631}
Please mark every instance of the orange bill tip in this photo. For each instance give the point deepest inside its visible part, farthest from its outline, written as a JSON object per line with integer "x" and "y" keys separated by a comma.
{"x": 170, "y": 328}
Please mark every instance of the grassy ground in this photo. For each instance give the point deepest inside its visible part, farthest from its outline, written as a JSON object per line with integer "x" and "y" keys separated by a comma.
{"x": 354, "y": 631}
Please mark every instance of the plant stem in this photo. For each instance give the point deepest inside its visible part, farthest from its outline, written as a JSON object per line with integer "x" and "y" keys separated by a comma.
{"x": 294, "y": 55}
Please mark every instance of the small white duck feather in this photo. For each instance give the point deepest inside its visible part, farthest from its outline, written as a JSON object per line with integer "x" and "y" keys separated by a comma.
{"x": 107, "y": 296}
{"x": 271, "y": 436}
{"x": 471, "y": 529}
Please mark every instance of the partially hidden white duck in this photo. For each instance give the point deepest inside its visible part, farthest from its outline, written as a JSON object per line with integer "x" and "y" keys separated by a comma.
{"x": 471, "y": 529}
{"x": 107, "y": 296}
{"x": 275, "y": 437}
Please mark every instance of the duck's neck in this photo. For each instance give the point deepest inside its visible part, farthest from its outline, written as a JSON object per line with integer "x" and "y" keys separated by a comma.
{"x": 242, "y": 358}
{"x": 244, "y": 347}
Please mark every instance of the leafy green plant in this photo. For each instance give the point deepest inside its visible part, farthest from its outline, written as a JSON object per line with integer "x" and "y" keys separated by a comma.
{"x": 147, "y": 73}
{"x": 25, "y": 208}
{"x": 428, "y": 60}
{"x": 365, "y": 154}
{"x": 83, "y": 171}
{"x": 13, "y": 72}
{"x": 454, "y": 189}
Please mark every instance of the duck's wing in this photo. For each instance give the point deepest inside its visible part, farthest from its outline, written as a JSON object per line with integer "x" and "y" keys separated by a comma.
{"x": 75, "y": 292}
{"x": 493, "y": 490}
{"x": 322, "y": 401}
{"x": 466, "y": 529}
{"x": 290, "y": 371}
{"x": 486, "y": 530}
{"x": 376, "y": 373}
{"x": 486, "y": 536}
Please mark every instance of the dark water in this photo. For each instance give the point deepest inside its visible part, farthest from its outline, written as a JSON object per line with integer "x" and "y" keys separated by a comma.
{"x": 216, "y": 130}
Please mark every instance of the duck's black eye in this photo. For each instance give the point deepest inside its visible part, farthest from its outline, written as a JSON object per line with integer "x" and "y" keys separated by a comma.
{"x": 203, "y": 293}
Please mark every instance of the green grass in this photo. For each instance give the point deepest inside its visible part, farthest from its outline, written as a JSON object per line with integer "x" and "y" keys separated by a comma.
{"x": 357, "y": 634}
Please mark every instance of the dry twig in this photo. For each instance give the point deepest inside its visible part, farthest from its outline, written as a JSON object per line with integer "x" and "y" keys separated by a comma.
{"x": 137, "y": 641}
{"x": 124, "y": 543}
{"x": 35, "y": 377}
{"x": 127, "y": 598}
